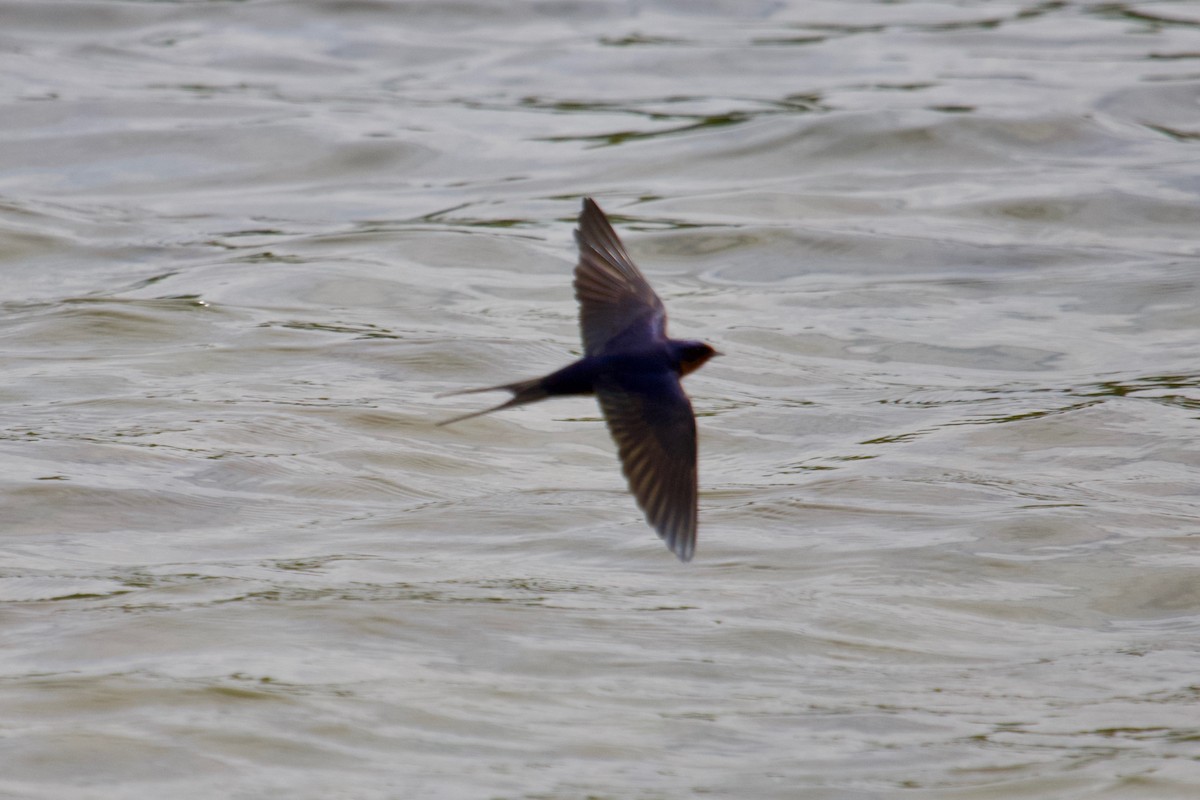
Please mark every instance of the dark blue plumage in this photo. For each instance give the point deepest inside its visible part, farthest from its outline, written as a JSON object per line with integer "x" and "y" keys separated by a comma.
{"x": 634, "y": 370}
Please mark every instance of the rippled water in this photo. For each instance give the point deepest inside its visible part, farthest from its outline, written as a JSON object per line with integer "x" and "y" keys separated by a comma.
{"x": 950, "y": 517}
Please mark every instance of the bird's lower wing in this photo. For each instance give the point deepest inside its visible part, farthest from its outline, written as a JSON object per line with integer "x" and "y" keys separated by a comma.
{"x": 652, "y": 423}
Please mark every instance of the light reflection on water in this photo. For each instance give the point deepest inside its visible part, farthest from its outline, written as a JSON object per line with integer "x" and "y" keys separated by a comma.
{"x": 948, "y": 467}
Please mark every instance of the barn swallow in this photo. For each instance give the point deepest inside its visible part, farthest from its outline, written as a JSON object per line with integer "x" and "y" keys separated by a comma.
{"x": 634, "y": 370}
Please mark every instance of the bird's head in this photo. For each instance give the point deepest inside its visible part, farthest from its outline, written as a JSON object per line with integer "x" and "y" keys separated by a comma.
{"x": 692, "y": 355}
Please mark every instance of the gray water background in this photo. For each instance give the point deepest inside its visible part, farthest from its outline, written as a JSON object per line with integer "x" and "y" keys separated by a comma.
{"x": 950, "y": 510}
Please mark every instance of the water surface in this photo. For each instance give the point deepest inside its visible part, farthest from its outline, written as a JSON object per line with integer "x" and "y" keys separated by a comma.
{"x": 949, "y": 511}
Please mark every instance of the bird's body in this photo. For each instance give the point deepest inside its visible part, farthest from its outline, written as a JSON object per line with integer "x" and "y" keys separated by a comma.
{"x": 634, "y": 370}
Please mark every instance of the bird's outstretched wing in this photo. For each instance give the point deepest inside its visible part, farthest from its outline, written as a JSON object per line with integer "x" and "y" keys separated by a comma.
{"x": 651, "y": 420}
{"x": 617, "y": 307}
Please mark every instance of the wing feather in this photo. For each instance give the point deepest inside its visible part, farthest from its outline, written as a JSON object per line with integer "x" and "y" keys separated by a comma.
{"x": 616, "y": 303}
{"x": 655, "y": 431}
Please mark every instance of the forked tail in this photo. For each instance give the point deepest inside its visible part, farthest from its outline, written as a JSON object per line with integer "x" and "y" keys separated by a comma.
{"x": 529, "y": 391}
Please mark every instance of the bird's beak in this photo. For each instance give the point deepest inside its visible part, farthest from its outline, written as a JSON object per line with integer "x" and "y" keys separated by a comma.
{"x": 717, "y": 353}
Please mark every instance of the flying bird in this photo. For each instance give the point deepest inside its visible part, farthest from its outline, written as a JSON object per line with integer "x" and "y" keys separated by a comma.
{"x": 634, "y": 370}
